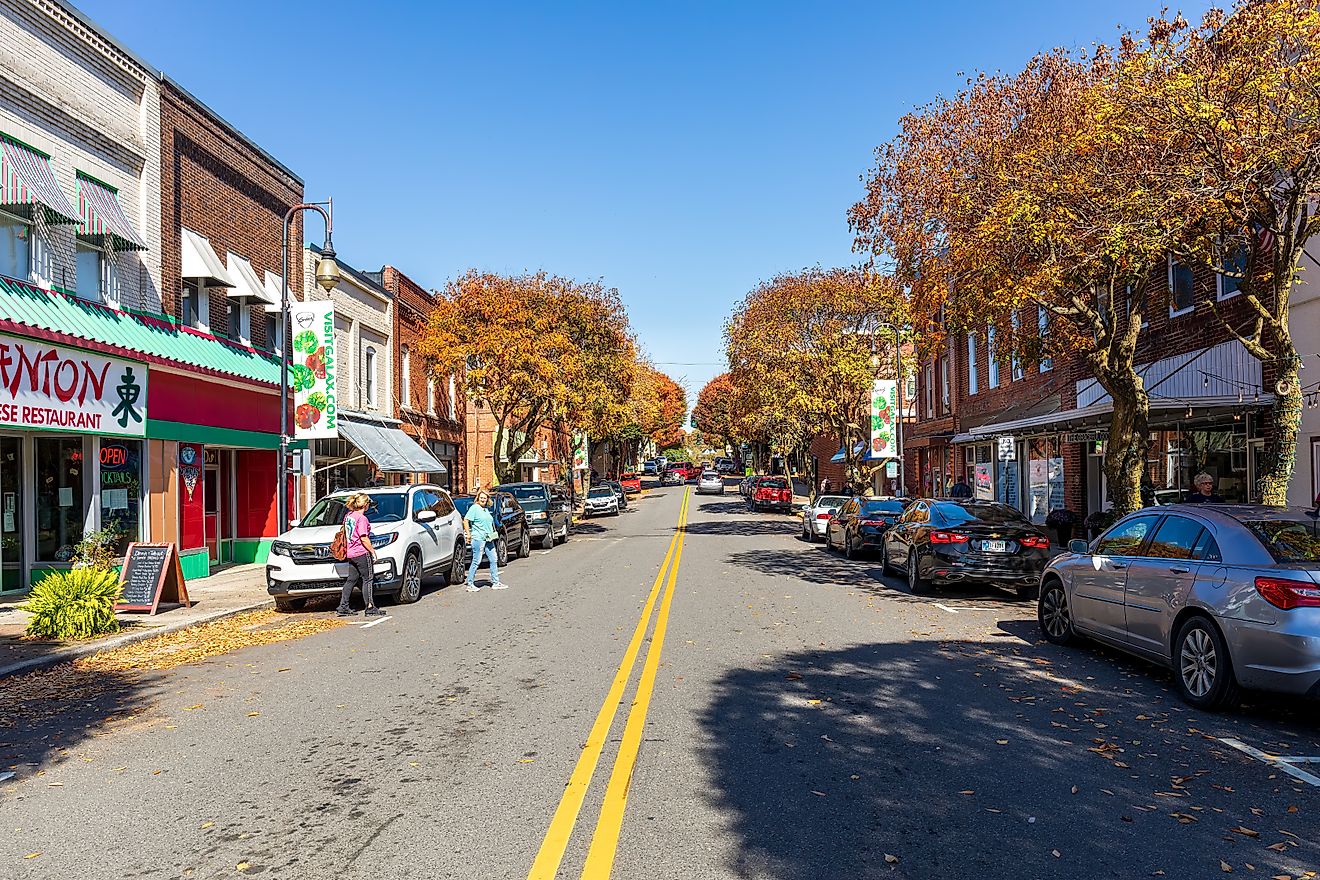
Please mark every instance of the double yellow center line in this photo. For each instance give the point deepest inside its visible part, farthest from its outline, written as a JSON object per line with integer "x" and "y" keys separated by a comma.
{"x": 605, "y": 839}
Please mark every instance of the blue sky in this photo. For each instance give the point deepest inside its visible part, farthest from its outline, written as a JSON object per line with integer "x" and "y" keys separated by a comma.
{"x": 679, "y": 151}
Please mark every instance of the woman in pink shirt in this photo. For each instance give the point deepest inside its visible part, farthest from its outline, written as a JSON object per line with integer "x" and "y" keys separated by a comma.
{"x": 359, "y": 554}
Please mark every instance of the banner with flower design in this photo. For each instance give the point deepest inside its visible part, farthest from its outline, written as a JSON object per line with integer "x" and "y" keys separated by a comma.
{"x": 312, "y": 370}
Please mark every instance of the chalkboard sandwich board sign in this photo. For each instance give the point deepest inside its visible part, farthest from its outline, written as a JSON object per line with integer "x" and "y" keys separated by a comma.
{"x": 151, "y": 575}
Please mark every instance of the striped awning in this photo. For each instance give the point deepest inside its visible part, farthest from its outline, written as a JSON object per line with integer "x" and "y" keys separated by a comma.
{"x": 26, "y": 178}
{"x": 98, "y": 203}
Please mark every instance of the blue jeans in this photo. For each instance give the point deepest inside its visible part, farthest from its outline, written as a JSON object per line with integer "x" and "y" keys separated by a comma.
{"x": 488, "y": 546}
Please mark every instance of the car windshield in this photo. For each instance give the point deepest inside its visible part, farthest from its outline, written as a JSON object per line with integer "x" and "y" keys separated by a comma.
{"x": 882, "y": 507}
{"x": 774, "y": 483}
{"x": 462, "y": 503}
{"x": 1288, "y": 540}
{"x": 629, "y": 476}
{"x": 532, "y": 497}
{"x": 831, "y": 501}
{"x": 710, "y": 475}
{"x": 331, "y": 511}
{"x": 600, "y": 492}
{"x": 955, "y": 514}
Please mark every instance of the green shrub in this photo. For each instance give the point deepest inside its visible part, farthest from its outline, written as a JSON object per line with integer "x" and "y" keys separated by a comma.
{"x": 97, "y": 549}
{"x": 74, "y": 604}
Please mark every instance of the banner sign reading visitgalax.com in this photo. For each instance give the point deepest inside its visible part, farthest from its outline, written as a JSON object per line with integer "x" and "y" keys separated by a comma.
{"x": 312, "y": 370}
{"x": 56, "y": 388}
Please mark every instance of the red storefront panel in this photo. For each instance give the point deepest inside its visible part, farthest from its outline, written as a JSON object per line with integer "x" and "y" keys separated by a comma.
{"x": 254, "y": 490}
{"x": 193, "y": 400}
{"x": 192, "y": 494}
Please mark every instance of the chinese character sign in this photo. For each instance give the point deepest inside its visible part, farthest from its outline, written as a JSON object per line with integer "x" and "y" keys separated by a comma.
{"x": 51, "y": 386}
{"x": 884, "y": 411}
{"x": 312, "y": 370}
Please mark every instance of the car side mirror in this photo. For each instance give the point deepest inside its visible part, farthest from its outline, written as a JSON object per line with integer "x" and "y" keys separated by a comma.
{"x": 427, "y": 516}
{"x": 1077, "y": 545}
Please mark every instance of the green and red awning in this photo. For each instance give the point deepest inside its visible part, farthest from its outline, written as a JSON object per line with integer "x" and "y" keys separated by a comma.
{"x": 102, "y": 215}
{"x": 26, "y": 178}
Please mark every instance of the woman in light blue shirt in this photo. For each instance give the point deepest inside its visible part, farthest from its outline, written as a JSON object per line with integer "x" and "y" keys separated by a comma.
{"x": 479, "y": 525}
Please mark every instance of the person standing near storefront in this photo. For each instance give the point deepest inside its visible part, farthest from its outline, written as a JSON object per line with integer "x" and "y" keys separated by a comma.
{"x": 479, "y": 525}
{"x": 1203, "y": 491}
{"x": 359, "y": 554}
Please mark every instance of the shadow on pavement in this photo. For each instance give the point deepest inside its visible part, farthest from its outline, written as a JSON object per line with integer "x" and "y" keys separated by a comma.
{"x": 985, "y": 759}
{"x": 723, "y": 507}
{"x": 740, "y": 527}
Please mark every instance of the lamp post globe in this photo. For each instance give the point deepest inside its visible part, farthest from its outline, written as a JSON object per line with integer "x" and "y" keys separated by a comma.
{"x": 327, "y": 270}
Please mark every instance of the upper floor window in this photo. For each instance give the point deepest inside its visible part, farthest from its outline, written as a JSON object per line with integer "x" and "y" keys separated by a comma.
{"x": 1182, "y": 293}
{"x": 1043, "y": 324}
{"x": 240, "y": 321}
{"x": 944, "y": 384}
{"x": 405, "y": 377}
{"x": 15, "y": 246}
{"x": 430, "y": 394}
{"x": 195, "y": 309}
{"x": 92, "y": 273}
{"x": 992, "y": 356}
{"x": 369, "y": 371}
{"x": 973, "y": 376}
{"x": 275, "y": 331}
{"x": 1232, "y": 270}
{"x": 928, "y": 377}
{"x": 1015, "y": 362}
{"x": 453, "y": 398}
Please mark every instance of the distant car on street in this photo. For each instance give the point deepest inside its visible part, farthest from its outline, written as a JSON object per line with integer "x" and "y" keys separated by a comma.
{"x": 816, "y": 515}
{"x": 725, "y": 466}
{"x": 860, "y": 524}
{"x": 549, "y": 511}
{"x": 1226, "y": 595}
{"x": 710, "y": 483}
{"x": 514, "y": 535}
{"x": 600, "y": 501}
{"x": 674, "y": 476}
{"x": 618, "y": 490}
{"x": 771, "y": 493}
{"x": 632, "y": 483}
{"x": 958, "y": 540}
{"x": 650, "y": 467}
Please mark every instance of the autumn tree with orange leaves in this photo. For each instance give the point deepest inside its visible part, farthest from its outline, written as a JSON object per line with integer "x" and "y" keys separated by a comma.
{"x": 804, "y": 350}
{"x": 1024, "y": 205}
{"x": 715, "y": 414}
{"x": 538, "y": 350}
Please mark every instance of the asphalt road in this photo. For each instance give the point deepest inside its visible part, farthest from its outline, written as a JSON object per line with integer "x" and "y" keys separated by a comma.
{"x": 807, "y": 720}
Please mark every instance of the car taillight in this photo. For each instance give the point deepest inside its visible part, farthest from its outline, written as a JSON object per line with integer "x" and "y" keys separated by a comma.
{"x": 940, "y": 537}
{"x": 1036, "y": 542}
{"x": 1287, "y": 594}
{"x": 822, "y": 516}
{"x": 874, "y": 522}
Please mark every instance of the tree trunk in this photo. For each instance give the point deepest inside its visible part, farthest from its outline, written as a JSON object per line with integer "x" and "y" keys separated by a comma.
{"x": 1129, "y": 439}
{"x": 1280, "y": 457}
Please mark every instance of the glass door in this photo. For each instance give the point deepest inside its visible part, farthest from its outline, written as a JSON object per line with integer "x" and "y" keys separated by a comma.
{"x": 11, "y": 518}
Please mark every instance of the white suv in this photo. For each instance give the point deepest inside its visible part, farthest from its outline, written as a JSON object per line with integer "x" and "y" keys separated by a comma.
{"x": 415, "y": 529}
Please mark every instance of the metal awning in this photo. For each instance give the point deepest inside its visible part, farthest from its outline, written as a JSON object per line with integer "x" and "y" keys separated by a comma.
{"x": 248, "y": 286}
{"x": 1097, "y": 413}
{"x": 838, "y": 456}
{"x": 200, "y": 261}
{"x": 391, "y": 450}
{"x": 98, "y": 204}
{"x": 26, "y": 178}
{"x": 273, "y": 293}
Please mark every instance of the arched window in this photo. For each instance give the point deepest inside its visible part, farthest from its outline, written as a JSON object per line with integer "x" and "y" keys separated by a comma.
{"x": 369, "y": 369}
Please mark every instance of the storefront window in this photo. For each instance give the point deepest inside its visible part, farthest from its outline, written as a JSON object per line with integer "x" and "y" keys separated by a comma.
{"x": 15, "y": 246}
{"x": 1045, "y": 478}
{"x": 11, "y": 532}
{"x": 121, "y": 490}
{"x": 61, "y": 508}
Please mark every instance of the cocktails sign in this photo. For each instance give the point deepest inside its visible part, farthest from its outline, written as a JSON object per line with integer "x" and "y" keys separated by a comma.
{"x": 53, "y": 387}
{"x": 312, "y": 370}
{"x": 884, "y": 406}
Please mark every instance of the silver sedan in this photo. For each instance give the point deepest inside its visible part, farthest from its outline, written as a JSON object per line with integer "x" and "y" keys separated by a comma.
{"x": 816, "y": 515}
{"x": 1228, "y": 596}
{"x": 710, "y": 481}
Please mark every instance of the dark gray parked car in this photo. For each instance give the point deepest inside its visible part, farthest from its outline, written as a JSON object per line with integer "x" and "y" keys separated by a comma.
{"x": 1227, "y": 595}
{"x": 549, "y": 511}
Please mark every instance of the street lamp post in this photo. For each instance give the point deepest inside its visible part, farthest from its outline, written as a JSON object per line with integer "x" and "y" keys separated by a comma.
{"x": 327, "y": 276}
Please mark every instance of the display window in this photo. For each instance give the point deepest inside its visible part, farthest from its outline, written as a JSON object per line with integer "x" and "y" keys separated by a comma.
{"x": 121, "y": 490}
{"x": 61, "y": 505}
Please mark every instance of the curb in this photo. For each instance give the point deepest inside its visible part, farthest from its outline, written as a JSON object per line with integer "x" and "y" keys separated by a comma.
{"x": 75, "y": 651}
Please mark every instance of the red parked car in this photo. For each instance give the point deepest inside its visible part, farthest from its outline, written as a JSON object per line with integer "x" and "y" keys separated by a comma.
{"x": 771, "y": 493}
{"x": 632, "y": 483}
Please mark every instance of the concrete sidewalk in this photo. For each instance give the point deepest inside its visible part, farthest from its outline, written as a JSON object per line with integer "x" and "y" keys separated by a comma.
{"x": 237, "y": 589}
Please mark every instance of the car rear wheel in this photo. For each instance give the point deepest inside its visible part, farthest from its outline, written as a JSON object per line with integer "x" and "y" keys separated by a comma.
{"x": 848, "y": 550}
{"x": 1054, "y": 615}
{"x": 885, "y": 568}
{"x": 548, "y": 542}
{"x": 410, "y": 587}
{"x": 456, "y": 567}
{"x": 1202, "y": 669}
{"x": 917, "y": 585}
{"x": 502, "y": 551}
{"x": 525, "y": 544}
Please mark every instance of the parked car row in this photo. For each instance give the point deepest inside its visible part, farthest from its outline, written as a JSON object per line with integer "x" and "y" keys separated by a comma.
{"x": 417, "y": 531}
{"x": 1227, "y": 596}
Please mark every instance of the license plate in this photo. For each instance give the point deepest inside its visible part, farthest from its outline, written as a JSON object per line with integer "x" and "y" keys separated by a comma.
{"x": 994, "y": 546}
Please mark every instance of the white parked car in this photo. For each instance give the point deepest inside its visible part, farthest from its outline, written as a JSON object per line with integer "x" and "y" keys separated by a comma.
{"x": 416, "y": 532}
{"x": 710, "y": 481}
{"x": 816, "y": 515}
{"x": 601, "y": 500}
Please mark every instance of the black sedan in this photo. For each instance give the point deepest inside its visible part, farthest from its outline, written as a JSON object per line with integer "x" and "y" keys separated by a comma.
{"x": 510, "y": 523}
{"x": 860, "y": 524}
{"x": 955, "y": 540}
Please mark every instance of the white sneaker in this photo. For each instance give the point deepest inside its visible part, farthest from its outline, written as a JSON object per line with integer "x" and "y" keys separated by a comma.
{"x": 472, "y": 588}
{"x": 498, "y": 586}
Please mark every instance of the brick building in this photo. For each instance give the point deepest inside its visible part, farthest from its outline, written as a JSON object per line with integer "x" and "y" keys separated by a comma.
{"x": 1032, "y": 434}
{"x": 548, "y": 460}
{"x": 431, "y": 408}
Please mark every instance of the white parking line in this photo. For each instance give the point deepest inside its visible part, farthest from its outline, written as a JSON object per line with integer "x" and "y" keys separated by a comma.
{"x": 376, "y": 621}
{"x": 1281, "y": 762}
{"x": 946, "y": 608}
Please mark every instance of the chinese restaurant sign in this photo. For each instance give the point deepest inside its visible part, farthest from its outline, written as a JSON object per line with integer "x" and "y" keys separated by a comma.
{"x": 312, "y": 371}
{"x": 43, "y": 385}
{"x": 884, "y": 406}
